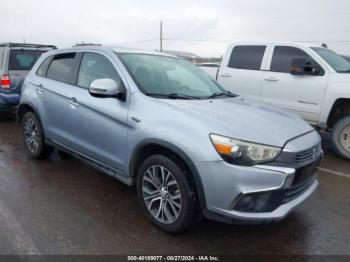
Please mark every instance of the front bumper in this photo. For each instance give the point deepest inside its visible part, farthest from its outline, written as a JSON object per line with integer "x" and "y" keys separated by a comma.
{"x": 229, "y": 184}
{"x": 258, "y": 194}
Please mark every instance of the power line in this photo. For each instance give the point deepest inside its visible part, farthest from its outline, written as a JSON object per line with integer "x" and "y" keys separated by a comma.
{"x": 309, "y": 15}
{"x": 225, "y": 41}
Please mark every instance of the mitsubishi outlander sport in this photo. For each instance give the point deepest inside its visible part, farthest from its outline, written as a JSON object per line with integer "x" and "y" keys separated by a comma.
{"x": 158, "y": 122}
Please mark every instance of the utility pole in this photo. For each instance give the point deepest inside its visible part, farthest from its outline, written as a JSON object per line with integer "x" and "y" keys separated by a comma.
{"x": 161, "y": 36}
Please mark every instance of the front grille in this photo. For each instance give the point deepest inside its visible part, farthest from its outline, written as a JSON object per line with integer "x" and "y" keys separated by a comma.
{"x": 304, "y": 173}
{"x": 297, "y": 190}
{"x": 308, "y": 155}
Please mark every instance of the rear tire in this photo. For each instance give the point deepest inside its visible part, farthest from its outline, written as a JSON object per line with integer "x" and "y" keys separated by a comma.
{"x": 33, "y": 137}
{"x": 340, "y": 138}
{"x": 165, "y": 194}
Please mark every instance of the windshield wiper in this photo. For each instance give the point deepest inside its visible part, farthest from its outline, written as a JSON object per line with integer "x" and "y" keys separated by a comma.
{"x": 173, "y": 96}
{"x": 227, "y": 93}
{"x": 344, "y": 71}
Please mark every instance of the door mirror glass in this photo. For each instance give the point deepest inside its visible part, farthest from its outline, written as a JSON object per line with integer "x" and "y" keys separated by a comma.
{"x": 303, "y": 66}
{"x": 107, "y": 88}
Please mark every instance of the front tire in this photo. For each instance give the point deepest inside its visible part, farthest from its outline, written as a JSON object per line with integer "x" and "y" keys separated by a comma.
{"x": 165, "y": 194}
{"x": 33, "y": 136}
{"x": 341, "y": 138}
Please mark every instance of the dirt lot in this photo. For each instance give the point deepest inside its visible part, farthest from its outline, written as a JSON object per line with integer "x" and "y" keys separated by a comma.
{"x": 62, "y": 206}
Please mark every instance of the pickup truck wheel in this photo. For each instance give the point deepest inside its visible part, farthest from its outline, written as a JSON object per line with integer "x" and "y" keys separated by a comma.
{"x": 165, "y": 194}
{"x": 341, "y": 138}
{"x": 33, "y": 135}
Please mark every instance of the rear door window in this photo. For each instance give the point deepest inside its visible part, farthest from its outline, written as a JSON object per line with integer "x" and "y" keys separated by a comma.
{"x": 247, "y": 57}
{"x": 62, "y": 68}
{"x": 23, "y": 59}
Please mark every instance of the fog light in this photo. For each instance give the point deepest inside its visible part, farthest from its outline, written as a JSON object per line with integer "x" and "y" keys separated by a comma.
{"x": 257, "y": 202}
{"x": 245, "y": 203}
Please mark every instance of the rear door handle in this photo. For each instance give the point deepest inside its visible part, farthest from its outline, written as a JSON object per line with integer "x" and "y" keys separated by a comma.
{"x": 39, "y": 88}
{"x": 271, "y": 79}
{"x": 225, "y": 74}
{"x": 74, "y": 102}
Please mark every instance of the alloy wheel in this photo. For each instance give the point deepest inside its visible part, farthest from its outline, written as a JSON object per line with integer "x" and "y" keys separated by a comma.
{"x": 161, "y": 194}
{"x": 31, "y": 135}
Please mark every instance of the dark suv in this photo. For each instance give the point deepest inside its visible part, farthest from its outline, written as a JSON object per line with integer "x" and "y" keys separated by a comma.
{"x": 16, "y": 60}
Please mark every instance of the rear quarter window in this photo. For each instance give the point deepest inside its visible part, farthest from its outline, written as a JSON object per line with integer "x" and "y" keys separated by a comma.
{"x": 247, "y": 57}
{"x": 43, "y": 67}
{"x": 23, "y": 59}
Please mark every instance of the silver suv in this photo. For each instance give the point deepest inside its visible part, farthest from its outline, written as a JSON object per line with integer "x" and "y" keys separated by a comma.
{"x": 158, "y": 122}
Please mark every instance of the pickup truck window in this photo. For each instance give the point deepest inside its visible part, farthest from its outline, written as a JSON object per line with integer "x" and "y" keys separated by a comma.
{"x": 247, "y": 57}
{"x": 282, "y": 58}
{"x": 338, "y": 63}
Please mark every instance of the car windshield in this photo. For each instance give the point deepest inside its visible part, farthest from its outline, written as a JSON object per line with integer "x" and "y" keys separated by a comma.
{"x": 337, "y": 62}
{"x": 170, "y": 77}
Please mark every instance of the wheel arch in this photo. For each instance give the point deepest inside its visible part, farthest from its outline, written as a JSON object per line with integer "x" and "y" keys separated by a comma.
{"x": 154, "y": 146}
{"x": 23, "y": 109}
{"x": 340, "y": 109}
{"x": 26, "y": 107}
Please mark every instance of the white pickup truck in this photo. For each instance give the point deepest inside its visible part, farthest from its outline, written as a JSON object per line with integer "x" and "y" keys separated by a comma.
{"x": 310, "y": 80}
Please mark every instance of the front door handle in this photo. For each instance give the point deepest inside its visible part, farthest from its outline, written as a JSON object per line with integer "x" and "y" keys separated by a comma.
{"x": 74, "y": 102}
{"x": 271, "y": 79}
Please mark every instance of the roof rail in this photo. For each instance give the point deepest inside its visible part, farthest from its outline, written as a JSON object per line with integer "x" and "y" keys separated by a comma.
{"x": 86, "y": 44}
{"x": 27, "y": 45}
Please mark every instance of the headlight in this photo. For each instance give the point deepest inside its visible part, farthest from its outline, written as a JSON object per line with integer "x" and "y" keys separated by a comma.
{"x": 243, "y": 153}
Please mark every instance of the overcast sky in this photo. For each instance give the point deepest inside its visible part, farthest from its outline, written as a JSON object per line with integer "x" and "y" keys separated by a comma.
{"x": 213, "y": 24}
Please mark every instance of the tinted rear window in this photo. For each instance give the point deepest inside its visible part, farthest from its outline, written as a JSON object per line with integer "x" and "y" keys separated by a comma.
{"x": 62, "y": 67}
{"x": 23, "y": 59}
{"x": 247, "y": 57}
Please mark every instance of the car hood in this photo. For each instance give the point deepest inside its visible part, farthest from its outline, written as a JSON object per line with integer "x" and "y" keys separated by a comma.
{"x": 246, "y": 119}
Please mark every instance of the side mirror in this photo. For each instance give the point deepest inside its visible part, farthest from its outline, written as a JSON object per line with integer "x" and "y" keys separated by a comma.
{"x": 107, "y": 88}
{"x": 303, "y": 66}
